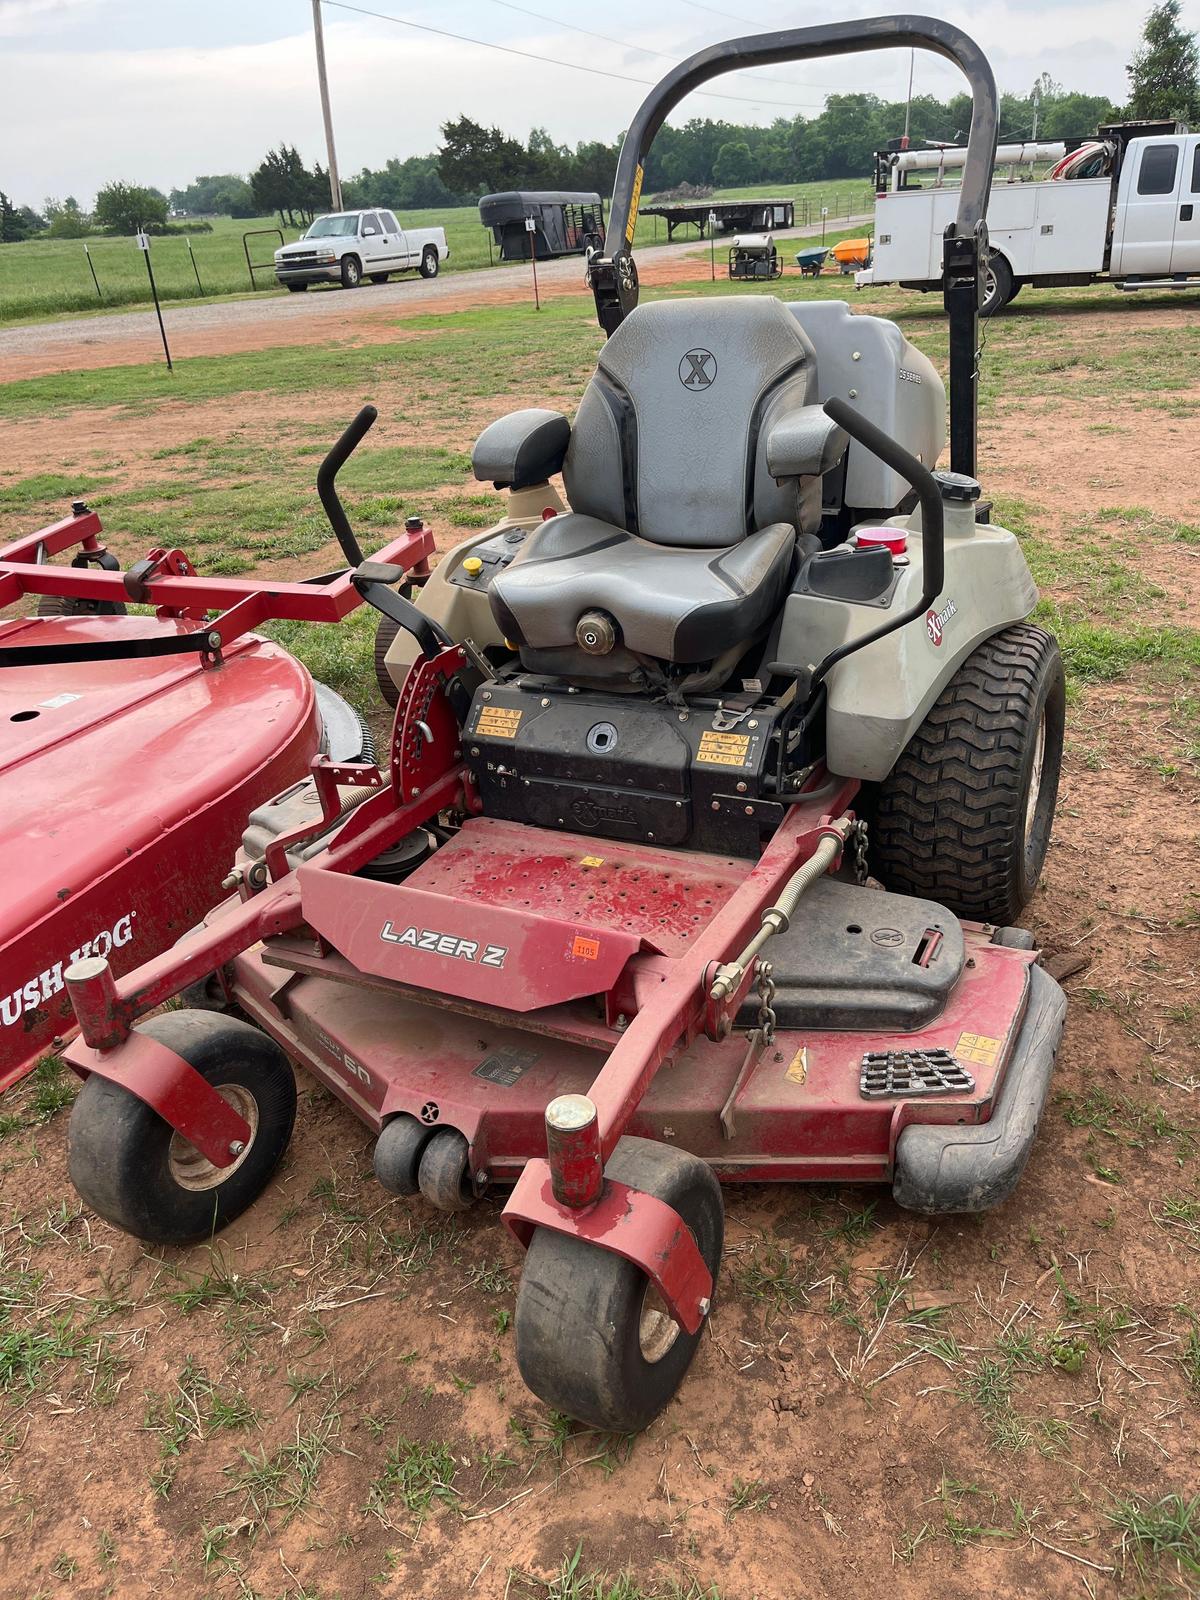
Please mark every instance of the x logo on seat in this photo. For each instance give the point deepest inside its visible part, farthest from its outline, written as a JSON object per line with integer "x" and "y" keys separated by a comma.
{"x": 698, "y": 369}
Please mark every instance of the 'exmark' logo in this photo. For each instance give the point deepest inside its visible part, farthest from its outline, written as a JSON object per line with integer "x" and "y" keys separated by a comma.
{"x": 51, "y": 982}
{"x": 446, "y": 944}
{"x": 935, "y": 621}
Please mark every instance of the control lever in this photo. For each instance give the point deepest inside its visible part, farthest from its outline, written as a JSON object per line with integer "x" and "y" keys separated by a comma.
{"x": 327, "y": 486}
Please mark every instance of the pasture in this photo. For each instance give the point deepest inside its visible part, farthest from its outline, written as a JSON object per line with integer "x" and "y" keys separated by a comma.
{"x": 49, "y": 277}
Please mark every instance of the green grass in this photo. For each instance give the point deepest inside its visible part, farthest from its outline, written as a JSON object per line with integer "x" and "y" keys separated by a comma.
{"x": 1166, "y": 1530}
{"x": 47, "y": 277}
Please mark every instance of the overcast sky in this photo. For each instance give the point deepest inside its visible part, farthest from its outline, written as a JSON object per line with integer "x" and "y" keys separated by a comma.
{"x": 156, "y": 91}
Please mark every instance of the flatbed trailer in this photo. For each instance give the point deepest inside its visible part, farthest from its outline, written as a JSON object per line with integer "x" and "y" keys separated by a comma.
{"x": 733, "y": 216}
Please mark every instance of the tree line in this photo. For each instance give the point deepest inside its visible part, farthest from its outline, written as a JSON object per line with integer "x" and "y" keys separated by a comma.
{"x": 472, "y": 160}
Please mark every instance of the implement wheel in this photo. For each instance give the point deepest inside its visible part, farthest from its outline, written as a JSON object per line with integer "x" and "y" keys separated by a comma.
{"x": 964, "y": 817}
{"x": 398, "y": 1152}
{"x": 443, "y": 1176}
{"x": 593, "y": 1337}
{"x": 385, "y": 634}
{"x": 134, "y": 1170}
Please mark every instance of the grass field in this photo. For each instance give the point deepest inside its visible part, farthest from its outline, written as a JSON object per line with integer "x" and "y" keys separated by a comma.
{"x": 46, "y": 277}
{"x": 324, "y": 1401}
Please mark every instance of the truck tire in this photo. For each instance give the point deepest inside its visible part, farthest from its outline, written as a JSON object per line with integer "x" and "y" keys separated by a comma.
{"x": 351, "y": 272}
{"x": 429, "y": 262}
{"x": 997, "y": 285}
{"x": 964, "y": 816}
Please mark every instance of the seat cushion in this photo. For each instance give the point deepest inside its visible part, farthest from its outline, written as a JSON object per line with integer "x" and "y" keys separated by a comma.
{"x": 673, "y": 603}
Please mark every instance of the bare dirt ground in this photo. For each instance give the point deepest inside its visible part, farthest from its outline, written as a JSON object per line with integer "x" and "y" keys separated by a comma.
{"x": 325, "y": 1403}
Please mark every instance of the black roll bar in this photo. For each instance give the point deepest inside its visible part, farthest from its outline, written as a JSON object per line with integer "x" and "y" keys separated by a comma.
{"x": 613, "y": 276}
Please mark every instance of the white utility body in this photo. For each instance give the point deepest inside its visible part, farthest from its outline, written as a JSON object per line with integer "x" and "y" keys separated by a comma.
{"x": 347, "y": 246}
{"x": 1137, "y": 223}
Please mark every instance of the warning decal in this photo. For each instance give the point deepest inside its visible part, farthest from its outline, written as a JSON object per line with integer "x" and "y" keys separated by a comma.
{"x": 505, "y": 1066}
{"x": 724, "y": 749}
{"x": 634, "y": 201}
{"x": 585, "y": 949}
{"x": 499, "y": 721}
{"x": 977, "y": 1047}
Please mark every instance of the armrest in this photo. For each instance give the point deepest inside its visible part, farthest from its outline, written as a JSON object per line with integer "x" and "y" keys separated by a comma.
{"x": 804, "y": 444}
{"x": 522, "y": 449}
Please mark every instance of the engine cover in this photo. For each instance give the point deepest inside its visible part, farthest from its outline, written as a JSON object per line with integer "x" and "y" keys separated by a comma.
{"x": 622, "y": 768}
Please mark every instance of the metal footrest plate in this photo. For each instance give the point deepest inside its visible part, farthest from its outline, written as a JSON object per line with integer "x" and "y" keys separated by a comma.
{"x": 900, "y": 1074}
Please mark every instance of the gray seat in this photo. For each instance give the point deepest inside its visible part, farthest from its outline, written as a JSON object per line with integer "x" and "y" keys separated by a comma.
{"x": 694, "y": 461}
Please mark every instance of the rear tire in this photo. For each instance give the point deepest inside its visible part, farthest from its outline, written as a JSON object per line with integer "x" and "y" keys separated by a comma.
{"x": 998, "y": 285}
{"x": 592, "y": 1337}
{"x": 964, "y": 817}
{"x": 134, "y": 1170}
{"x": 385, "y": 633}
{"x": 429, "y": 262}
{"x": 351, "y": 272}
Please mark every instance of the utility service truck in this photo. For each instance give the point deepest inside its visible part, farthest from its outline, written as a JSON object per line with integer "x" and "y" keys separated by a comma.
{"x": 1123, "y": 206}
{"x": 348, "y": 246}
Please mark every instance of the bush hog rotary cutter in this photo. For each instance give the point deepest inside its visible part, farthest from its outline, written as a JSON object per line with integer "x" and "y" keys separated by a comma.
{"x": 601, "y": 929}
{"x": 133, "y": 748}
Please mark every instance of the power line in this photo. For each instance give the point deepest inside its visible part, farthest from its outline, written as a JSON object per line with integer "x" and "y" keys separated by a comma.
{"x": 624, "y": 44}
{"x": 546, "y": 61}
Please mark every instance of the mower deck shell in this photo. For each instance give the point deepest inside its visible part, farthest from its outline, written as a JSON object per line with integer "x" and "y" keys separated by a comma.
{"x": 124, "y": 789}
{"x": 799, "y": 1114}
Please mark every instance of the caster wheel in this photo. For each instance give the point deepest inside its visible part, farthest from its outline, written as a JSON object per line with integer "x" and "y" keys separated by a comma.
{"x": 398, "y": 1152}
{"x": 443, "y": 1177}
{"x": 593, "y": 1337}
{"x": 134, "y": 1170}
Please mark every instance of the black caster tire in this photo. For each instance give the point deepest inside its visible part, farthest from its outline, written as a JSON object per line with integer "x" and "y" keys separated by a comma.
{"x": 592, "y": 1337}
{"x": 398, "y": 1151}
{"x": 136, "y": 1172}
{"x": 385, "y": 633}
{"x": 964, "y": 817}
{"x": 443, "y": 1177}
{"x": 430, "y": 263}
{"x": 351, "y": 272}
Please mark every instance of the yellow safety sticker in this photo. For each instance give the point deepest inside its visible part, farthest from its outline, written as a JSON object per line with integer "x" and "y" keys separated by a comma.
{"x": 797, "y": 1070}
{"x": 499, "y": 721}
{"x": 977, "y": 1047}
{"x": 591, "y": 861}
{"x": 634, "y": 201}
{"x": 724, "y": 749}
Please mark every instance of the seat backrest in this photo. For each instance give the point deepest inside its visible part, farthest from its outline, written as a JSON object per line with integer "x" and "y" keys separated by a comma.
{"x": 669, "y": 440}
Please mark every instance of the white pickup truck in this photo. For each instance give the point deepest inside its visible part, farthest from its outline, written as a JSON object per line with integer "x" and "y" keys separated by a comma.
{"x": 348, "y": 246}
{"x": 1122, "y": 207}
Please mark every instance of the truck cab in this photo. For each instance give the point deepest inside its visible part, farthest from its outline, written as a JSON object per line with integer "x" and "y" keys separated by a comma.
{"x": 346, "y": 246}
{"x": 1156, "y": 228}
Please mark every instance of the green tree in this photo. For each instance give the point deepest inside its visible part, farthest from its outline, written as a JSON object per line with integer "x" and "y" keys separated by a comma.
{"x": 220, "y": 194}
{"x": 1164, "y": 75}
{"x": 129, "y": 208}
{"x": 734, "y": 165}
{"x": 281, "y": 182}
{"x": 475, "y": 160}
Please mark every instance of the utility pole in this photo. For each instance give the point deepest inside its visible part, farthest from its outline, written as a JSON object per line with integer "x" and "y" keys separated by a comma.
{"x": 335, "y": 183}
{"x": 1037, "y": 106}
{"x": 912, "y": 63}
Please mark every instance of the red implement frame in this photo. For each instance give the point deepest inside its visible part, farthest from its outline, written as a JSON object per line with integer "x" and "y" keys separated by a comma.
{"x": 243, "y": 603}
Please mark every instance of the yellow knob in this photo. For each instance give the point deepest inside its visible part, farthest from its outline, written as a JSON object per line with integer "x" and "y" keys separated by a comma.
{"x": 472, "y": 566}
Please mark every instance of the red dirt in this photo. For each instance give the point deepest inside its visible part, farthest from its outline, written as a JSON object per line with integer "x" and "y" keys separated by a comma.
{"x": 352, "y": 1321}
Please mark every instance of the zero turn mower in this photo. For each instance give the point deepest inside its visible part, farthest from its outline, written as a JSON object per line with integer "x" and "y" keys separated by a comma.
{"x": 710, "y": 807}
